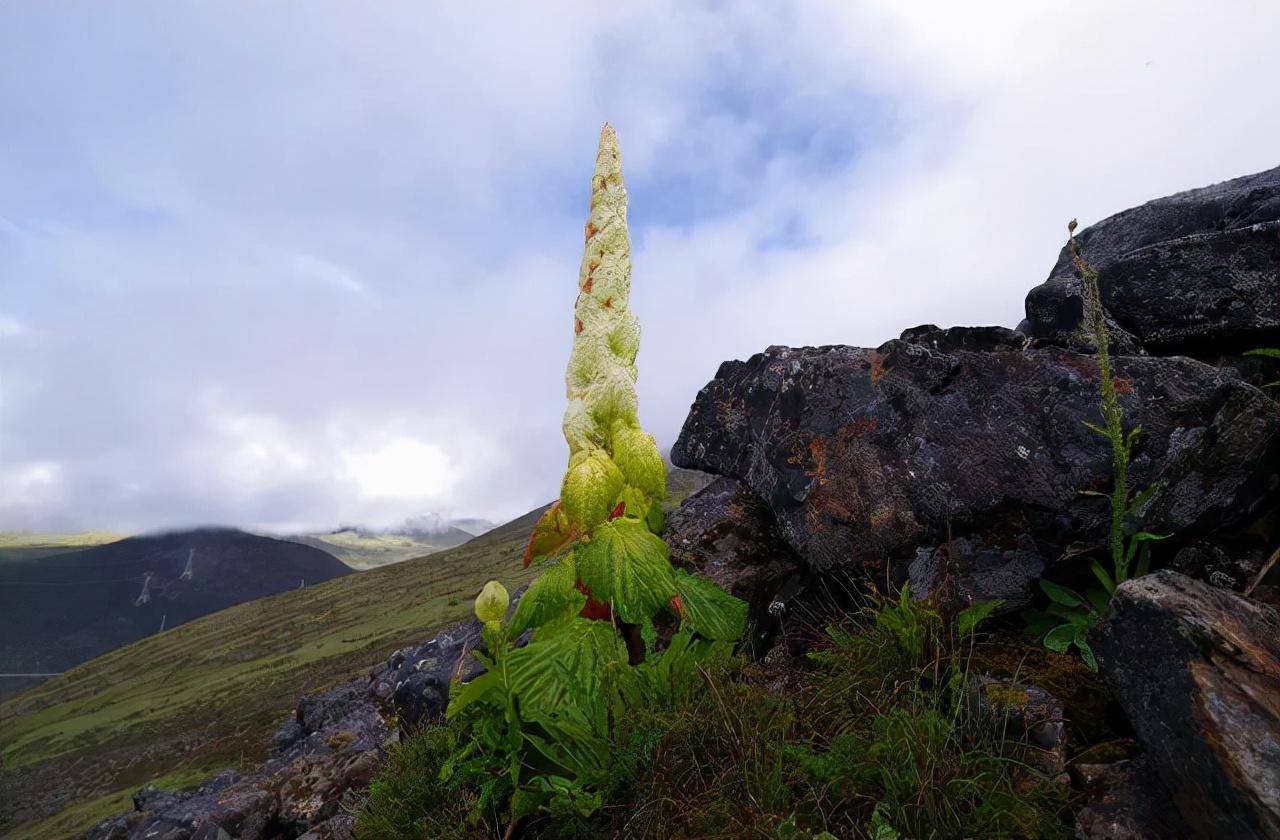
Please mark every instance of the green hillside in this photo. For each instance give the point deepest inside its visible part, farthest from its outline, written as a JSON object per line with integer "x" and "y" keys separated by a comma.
{"x": 29, "y": 545}
{"x": 365, "y": 551}
{"x": 210, "y": 693}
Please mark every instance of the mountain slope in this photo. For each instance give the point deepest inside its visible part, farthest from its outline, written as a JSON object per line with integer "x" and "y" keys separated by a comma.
{"x": 64, "y": 609}
{"x": 367, "y": 550}
{"x": 210, "y": 694}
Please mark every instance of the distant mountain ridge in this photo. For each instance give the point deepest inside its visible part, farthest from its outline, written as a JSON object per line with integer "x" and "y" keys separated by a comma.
{"x": 64, "y": 609}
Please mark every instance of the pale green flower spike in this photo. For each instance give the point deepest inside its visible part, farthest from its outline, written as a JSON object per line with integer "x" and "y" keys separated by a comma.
{"x": 491, "y": 603}
{"x": 607, "y": 448}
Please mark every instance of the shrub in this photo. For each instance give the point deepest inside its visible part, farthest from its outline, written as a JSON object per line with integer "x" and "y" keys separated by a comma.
{"x": 407, "y": 800}
{"x": 872, "y": 739}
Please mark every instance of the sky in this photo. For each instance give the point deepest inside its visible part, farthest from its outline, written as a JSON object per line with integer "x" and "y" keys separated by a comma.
{"x": 288, "y": 266}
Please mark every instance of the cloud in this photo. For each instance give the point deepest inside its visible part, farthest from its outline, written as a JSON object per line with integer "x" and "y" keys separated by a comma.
{"x": 275, "y": 267}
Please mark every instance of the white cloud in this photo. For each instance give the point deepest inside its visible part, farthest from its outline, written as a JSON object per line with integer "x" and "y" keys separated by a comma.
{"x": 401, "y": 468}
{"x": 10, "y": 327}
{"x": 800, "y": 173}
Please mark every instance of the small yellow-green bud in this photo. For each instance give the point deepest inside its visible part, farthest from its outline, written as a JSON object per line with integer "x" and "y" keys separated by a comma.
{"x": 491, "y": 603}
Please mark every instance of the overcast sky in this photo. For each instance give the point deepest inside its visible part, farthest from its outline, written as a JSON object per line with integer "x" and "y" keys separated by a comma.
{"x": 289, "y": 265}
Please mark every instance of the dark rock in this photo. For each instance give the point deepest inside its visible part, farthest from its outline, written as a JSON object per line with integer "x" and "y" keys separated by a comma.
{"x": 1197, "y": 273}
{"x": 1023, "y": 711}
{"x": 341, "y": 827}
{"x": 965, "y": 571}
{"x": 725, "y": 533}
{"x": 1128, "y": 803}
{"x": 152, "y": 798}
{"x": 414, "y": 682}
{"x": 113, "y": 828}
{"x": 1230, "y": 562}
{"x": 1197, "y": 671}
{"x": 866, "y": 455}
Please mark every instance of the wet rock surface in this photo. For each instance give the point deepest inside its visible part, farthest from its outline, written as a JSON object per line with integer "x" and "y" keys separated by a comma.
{"x": 1127, "y": 802}
{"x": 965, "y": 571}
{"x": 1197, "y": 273}
{"x": 414, "y": 682}
{"x": 1197, "y": 670}
{"x": 864, "y": 456}
{"x": 727, "y": 534}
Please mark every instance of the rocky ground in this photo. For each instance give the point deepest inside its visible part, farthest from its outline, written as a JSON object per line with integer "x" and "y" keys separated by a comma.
{"x": 954, "y": 460}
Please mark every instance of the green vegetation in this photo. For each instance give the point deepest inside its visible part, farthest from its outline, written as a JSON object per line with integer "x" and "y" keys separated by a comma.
{"x": 365, "y": 551}
{"x": 29, "y": 545}
{"x": 876, "y": 735}
{"x": 408, "y": 799}
{"x": 539, "y": 726}
{"x": 1070, "y": 615}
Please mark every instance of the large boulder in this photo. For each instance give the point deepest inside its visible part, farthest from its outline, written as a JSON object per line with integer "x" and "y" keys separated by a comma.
{"x": 414, "y": 682}
{"x": 726, "y": 533}
{"x": 1197, "y": 670}
{"x": 864, "y": 456}
{"x": 1197, "y": 273}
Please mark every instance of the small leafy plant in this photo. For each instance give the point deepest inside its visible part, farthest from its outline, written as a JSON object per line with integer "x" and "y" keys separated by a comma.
{"x": 1070, "y": 615}
{"x": 542, "y": 719}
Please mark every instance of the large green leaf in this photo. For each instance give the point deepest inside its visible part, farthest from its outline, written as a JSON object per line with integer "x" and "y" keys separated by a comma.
{"x": 590, "y": 486}
{"x": 637, "y": 455}
{"x": 1060, "y": 638}
{"x": 968, "y": 619}
{"x": 566, "y": 658}
{"x": 552, "y": 594}
{"x": 626, "y": 565}
{"x": 484, "y": 688}
{"x": 710, "y": 610}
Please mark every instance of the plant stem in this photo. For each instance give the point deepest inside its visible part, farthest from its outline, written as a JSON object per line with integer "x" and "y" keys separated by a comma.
{"x": 1112, "y": 414}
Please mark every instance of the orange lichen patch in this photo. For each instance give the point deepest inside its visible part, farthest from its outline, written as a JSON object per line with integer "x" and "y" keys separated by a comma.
{"x": 608, "y": 303}
{"x": 817, "y": 458}
{"x": 861, "y": 426}
{"x": 586, "y": 287}
{"x": 577, "y": 326}
{"x": 1123, "y": 386}
{"x": 590, "y": 230}
{"x": 1086, "y": 366}
{"x": 876, "y": 361}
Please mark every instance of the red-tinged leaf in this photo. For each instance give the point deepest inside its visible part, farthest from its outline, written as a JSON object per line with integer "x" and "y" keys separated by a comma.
{"x": 593, "y": 609}
{"x": 618, "y": 511}
{"x": 677, "y": 606}
{"x": 550, "y": 535}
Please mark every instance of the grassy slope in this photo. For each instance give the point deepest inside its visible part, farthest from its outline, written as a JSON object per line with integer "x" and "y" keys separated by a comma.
{"x": 368, "y": 551}
{"x": 210, "y": 693}
{"x": 29, "y": 545}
